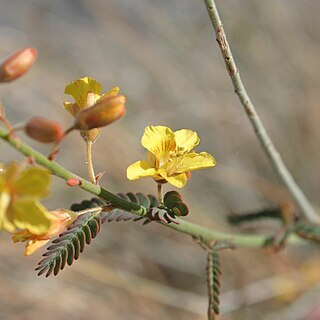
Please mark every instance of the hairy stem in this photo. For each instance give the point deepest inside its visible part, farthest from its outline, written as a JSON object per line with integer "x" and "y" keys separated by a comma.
{"x": 265, "y": 140}
{"x": 185, "y": 227}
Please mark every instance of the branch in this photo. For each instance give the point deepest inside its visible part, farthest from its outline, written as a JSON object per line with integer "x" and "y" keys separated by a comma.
{"x": 255, "y": 241}
{"x": 265, "y": 140}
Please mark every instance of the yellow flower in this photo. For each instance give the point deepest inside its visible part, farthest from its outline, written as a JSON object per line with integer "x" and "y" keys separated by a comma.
{"x": 86, "y": 92}
{"x": 19, "y": 193}
{"x": 171, "y": 156}
{"x": 60, "y": 218}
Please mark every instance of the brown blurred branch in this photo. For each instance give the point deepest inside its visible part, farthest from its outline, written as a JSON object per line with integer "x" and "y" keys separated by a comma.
{"x": 264, "y": 138}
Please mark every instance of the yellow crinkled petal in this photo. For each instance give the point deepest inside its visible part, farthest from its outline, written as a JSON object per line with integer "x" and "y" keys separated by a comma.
{"x": 159, "y": 140}
{"x": 34, "y": 245}
{"x": 72, "y": 108}
{"x": 140, "y": 169}
{"x": 22, "y": 236}
{"x": 34, "y": 182}
{"x": 31, "y": 215}
{"x": 5, "y": 222}
{"x": 79, "y": 90}
{"x": 195, "y": 161}
{"x": 113, "y": 92}
{"x": 33, "y": 242}
{"x": 177, "y": 180}
{"x": 11, "y": 172}
{"x": 3, "y": 183}
{"x": 186, "y": 140}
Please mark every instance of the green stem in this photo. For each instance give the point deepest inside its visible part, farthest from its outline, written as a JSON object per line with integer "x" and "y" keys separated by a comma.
{"x": 192, "y": 229}
{"x": 264, "y": 138}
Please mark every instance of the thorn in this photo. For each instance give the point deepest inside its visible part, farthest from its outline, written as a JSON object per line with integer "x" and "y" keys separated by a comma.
{"x": 99, "y": 176}
{"x": 280, "y": 239}
{"x": 30, "y": 160}
{"x": 214, "y": 245}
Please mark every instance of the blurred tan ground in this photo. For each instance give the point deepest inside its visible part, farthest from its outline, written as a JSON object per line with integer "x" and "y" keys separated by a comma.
{"x": 163, "y": 56}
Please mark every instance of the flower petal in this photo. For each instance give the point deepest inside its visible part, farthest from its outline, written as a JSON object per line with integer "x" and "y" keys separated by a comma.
{"x": 31, "y": 215}
{"x": 33, "y": 245}
{"x": 72, "y": 108}
{"x": 21, "y": 236}
{"x": 79, "y": 90}
{"x": 186, "y": 140}
{"x": 2, "y": 182}
{"x": 113, "y": 92}
{"x": 140, "y": 169}
{"x": 33, "y": 242}
{"x": 159, "y": 140}
{"x": 5, "y": 222}
{"x": 177, "y": 180}
{"x": 60, "y": 221}
{"x": 11, "y": 172}
{"x": 33, "y": 182}
{"x": 195, "y": 161}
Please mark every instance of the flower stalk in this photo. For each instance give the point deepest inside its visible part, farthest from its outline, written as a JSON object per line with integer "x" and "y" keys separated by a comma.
{"x": 160, "y": 193}
{"x": 91, "y": 174}
{"x": 92, "y": 110}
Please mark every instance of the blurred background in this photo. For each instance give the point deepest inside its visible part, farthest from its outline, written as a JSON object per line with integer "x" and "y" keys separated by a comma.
{"x": 164, "y": 57}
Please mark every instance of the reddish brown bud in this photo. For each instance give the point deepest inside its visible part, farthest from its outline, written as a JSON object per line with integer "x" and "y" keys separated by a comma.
{"x": 104, "y": 112}
{"x": 44, "y": 130}
{"x": 17, "y": 64}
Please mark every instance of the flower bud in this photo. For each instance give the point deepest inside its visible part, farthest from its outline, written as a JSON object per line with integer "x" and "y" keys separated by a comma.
{"x": 44, "y": 130}
{"x": 104, "y": 112}
{"x": 17, "y": 64}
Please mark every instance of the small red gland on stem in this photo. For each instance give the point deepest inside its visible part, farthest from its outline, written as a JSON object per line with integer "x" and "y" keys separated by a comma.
{"x": 104, "y": 112}
{"x": 30, "y": 160}
{"x": 73, "y": 182}
{"x": 44, "y": 130}
{"x": 17, "y": 64}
